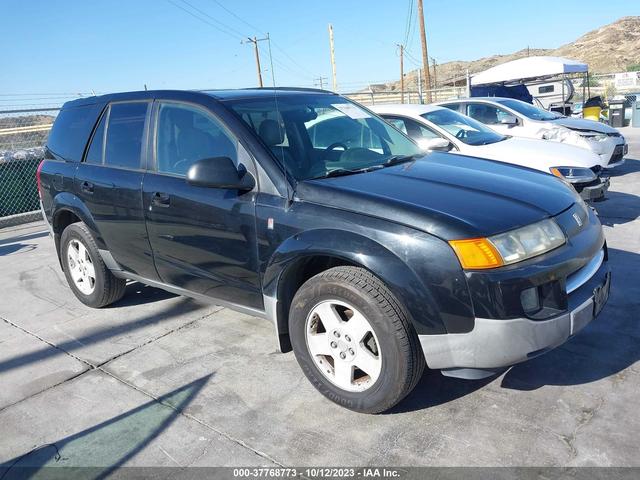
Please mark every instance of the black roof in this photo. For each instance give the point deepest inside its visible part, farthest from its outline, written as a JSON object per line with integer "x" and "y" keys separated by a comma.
{"x": 221, "y": 95}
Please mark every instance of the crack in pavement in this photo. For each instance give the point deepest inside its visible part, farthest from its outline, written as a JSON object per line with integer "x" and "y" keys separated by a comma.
{"x": 586, "y": 416}
{"x": 89, "y": 365}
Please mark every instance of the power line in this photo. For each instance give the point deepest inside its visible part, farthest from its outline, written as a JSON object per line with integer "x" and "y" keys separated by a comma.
{"x": 253, "y": 27}
{"x": 408, "y": 24}
{"x": 215, "y": 20}
{"x": 205, "y": 21}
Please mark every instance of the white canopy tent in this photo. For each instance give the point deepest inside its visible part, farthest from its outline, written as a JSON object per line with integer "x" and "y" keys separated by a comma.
{"x": 528, "y": 69}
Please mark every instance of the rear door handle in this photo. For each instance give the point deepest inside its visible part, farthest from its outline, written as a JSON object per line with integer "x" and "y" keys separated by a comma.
{"x": 86, "y": 187}
{"x": 160, "y": 199}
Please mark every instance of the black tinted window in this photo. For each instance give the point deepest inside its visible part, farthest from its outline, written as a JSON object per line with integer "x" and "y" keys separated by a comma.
{"x": 187, "y": 134}
{"x": 71, "y": 130}
{"x": 124, "y": 134}
{"x": 94, "y": 155}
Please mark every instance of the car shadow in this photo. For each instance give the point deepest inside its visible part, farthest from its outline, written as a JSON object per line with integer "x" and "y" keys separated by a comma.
{"x": 630, "y": 165}
{"x": 137, "y": 293}
{"x": 435, "y": 389}
{"x": 618, "y": 208}
{"x": 17, "y": 247}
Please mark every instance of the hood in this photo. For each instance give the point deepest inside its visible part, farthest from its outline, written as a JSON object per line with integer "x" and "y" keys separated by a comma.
{"x": 538, "y": 154}
{"x": 583, "y": 124}
{"x": 449, "y": 196}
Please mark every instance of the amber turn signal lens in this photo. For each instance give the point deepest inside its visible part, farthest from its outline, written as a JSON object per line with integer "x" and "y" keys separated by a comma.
{"x": 556, "y": 172}
{"x": 476, "y": 253}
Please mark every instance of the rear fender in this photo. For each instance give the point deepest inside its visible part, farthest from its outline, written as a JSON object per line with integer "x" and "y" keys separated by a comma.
{"x": 68, "y": 202}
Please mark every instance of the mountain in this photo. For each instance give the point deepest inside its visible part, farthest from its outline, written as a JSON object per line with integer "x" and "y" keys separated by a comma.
{"x": 611, "y": 48}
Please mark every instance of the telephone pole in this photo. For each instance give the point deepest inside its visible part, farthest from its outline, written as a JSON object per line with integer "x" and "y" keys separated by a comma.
{"x": 320, "y": 81}
{"x": 401, "y": 73}
{"x": 425, "y": 55}
{"x": 333, "y": 59}
{"x": 255, "y": 41}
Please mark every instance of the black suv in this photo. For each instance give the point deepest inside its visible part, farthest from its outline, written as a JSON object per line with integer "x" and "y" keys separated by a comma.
{"x": 371, "y": 259}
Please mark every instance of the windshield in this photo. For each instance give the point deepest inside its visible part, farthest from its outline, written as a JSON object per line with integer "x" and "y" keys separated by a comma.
{"x": 528, "y": 110}
{"x": 464, "y": 128}
{"x": 316, "y": 134}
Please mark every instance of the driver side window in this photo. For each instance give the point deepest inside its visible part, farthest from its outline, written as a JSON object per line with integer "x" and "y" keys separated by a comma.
{"x": 186, "y": 134}
{"x": 487, "y": 114}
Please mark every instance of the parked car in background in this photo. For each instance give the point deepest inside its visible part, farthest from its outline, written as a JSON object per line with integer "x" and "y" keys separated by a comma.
{"x": 370, "y": 260}
{"x": 439, "y": 128}
{"x": 520, "y": 119}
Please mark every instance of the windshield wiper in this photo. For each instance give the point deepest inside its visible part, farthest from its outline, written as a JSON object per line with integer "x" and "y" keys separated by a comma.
{"x": 396, "y": 159}
{"x": 339, "y": 172}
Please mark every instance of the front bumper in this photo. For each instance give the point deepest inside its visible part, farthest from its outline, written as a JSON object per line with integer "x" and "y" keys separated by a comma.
{"x": 594, "y": 191}
{"x": 495, "y": 344}
{"x": 616, "y": 158}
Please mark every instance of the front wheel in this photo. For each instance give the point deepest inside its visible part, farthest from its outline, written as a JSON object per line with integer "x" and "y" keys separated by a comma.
{"x": 87, "y": 275}
{"x": 353, "y": 341}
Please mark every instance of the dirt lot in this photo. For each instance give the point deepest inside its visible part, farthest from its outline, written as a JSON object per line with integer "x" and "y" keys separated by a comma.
{"x": 162, "y": 380}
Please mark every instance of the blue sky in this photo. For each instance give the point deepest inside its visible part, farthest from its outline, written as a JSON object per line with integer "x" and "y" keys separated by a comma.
{"x": 57, "y": 46}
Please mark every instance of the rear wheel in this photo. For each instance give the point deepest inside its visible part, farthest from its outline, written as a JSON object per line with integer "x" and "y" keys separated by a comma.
{"x": 87, "y": 275}
{"x": 353, "y": 340}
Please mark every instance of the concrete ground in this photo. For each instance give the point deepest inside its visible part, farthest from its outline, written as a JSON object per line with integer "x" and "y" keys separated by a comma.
{"x": 161, "y": 380}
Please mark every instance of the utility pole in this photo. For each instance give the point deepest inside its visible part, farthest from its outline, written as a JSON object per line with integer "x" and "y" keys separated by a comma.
{"x": 320, "y": 81}
{"x": 255, "y": 41}
{"x": 420, "y": 85}
{"x": 401, "y": 73}
{"x": 425, "y": 55}
{"x": 333, "y": 59}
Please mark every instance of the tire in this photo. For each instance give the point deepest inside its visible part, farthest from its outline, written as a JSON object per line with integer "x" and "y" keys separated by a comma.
{"x": 382, "y": 366}
{"x": 87, "y": 275}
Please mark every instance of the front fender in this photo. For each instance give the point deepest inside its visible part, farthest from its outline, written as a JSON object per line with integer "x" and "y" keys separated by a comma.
{"x": 398, "y": 259}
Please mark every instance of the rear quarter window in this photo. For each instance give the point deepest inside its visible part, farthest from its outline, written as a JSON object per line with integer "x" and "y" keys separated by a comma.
{"x": 71, "y": 130}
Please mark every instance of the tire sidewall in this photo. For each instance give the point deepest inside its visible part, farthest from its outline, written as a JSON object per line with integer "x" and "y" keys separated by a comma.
{"x": 75, "y": 232}
{"x": 394, "y": 364}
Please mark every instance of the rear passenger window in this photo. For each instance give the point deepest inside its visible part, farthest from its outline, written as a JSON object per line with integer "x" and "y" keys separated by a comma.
{"x": 124, "y": 134}
{"x": 94, "y": 155}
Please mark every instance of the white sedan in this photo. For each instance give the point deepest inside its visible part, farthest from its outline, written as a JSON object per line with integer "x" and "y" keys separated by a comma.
{"x": 438, "y": 128}
{"x": 520, "y": 119}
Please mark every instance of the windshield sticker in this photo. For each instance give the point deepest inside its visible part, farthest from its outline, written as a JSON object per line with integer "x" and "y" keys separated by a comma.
{"x": 351, "y": 110}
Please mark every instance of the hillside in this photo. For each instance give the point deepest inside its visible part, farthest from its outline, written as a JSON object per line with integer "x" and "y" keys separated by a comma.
{"x": 610, "y": 48}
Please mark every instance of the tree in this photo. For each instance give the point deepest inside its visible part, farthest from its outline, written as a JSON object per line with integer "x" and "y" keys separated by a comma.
{"x": 634, "y": 67}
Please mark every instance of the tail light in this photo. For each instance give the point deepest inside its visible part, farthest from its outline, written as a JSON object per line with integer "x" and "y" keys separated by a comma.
{"x": 38, "y": 179}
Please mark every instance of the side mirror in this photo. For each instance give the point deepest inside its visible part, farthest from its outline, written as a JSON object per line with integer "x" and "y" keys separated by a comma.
{"x": 220, "y": 172}
{"x": 509, "y": 120}
{"x": 430, "y": 144}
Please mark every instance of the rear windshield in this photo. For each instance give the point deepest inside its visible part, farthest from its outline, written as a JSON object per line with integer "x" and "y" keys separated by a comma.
{"x": 71, "y": 130}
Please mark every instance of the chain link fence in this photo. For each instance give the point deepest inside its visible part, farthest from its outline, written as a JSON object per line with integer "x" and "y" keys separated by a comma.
{"x": 23, "y": 134}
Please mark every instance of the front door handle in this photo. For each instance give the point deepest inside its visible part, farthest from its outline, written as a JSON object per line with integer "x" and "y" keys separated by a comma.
{"x": 160, "y": 199}
{"x": 87, "y": 187}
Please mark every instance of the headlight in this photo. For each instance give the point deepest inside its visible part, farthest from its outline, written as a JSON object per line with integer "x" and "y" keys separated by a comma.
{"x": 595, "y": 137}
{"x": 509, "y": 247}
{"x": 574, "y": 174}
